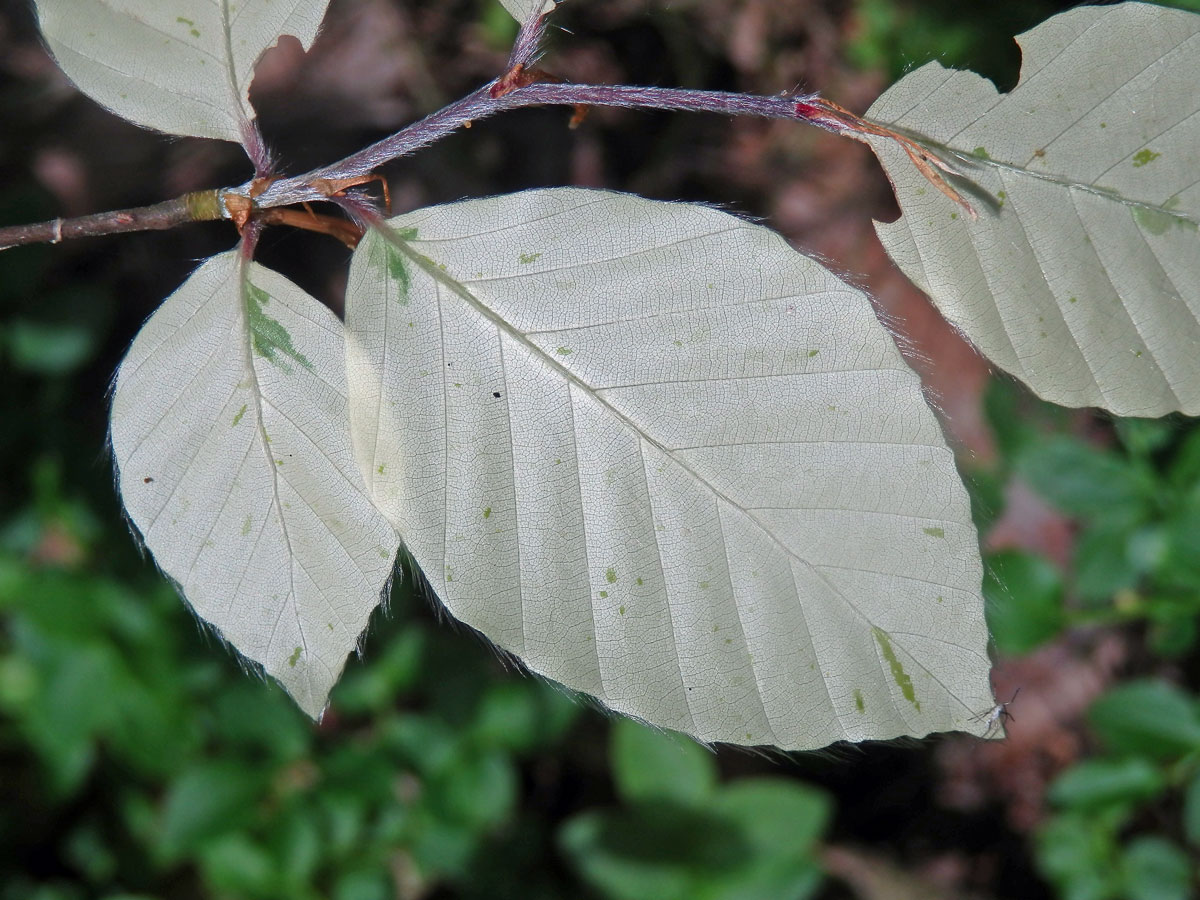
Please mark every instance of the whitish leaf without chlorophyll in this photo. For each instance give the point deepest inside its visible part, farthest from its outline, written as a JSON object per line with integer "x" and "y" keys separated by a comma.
{"x": 1082, "y": 274}
{"x": 524, "y": 10}
{"x": 180, "y": 66}
{"x": 668, "y": 461}
{"x": 232, "y": 444}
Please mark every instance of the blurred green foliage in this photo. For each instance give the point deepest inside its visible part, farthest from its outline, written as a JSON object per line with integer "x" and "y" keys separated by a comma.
{"x": 896, "y": 36}
{"x": 681, "y": 836}
{"x": 1126, "y": 820}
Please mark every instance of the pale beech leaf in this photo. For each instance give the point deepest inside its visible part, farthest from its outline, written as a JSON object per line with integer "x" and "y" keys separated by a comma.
{"x": 666, "y": 460}
{"x": 232, "y": 445}
{"x": 1081, "y": 275}
{"x": 180, "y": 66}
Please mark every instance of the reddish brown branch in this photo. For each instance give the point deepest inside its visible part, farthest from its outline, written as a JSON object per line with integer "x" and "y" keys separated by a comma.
{"x": 200, "y": 206}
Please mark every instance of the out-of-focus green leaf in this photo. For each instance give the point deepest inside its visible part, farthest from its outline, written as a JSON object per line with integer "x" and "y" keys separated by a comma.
{"x": 363, "y": 885}
{"x": 296, "y": 844}
{"x": 1098, "y": 783}
{"x": 652, "y": 765}
{"x": 478, "y": 791}
{"x": 776, "y": 815}
{"x": 1155, "y": 869}
{"x": 1180, "y": 566}
{"x": 443, "y": 848}
{"x": 371, "y": 688}
{"x": 1191, "y": 810}
{"x": 49, "y": 349}
{"x": 1184, "y": 471}
{"x": 209, "y": 799}
{"x": 1102, "y": 563}
{"x": 780, "y": 822}
{"x": 256, "y": 717}
{"x": 1142, "y": 437}
{"x": 422, "y": 742}
{"x": 1151, "y": 718}
{"x": 659, "y": 851}
{"x": 1076, "y": 854}
{"x": 508, "y": 716}
{"x": 1082, "y": 480}
{"x": 1024, "y": 600}
{"x": 237, "y": 866}
{"x": 1174, "y": 626}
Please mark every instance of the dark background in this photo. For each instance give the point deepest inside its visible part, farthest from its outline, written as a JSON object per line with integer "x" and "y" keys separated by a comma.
{"x": 138, "y": 759}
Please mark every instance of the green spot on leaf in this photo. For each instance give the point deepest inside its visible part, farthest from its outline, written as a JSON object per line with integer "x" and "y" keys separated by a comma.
{"x": 241, "y": 412}
{"x": 621, "y": 610}
{"x": 611, "y": 576}
{"x": 980, "y": 153}
{"x": 935, "y": 532}
{"x": 563, "y": 351}
{"x": 901, "y": 677}
{"x": 1144, "y": 157}
{"x": 603, "y": 594}
{"x": 1157, "y": 221}
{"x": 954, "y": 215}
{"x": 379, "y": 468}
{"x": 859, "y": 704}
{"x": 638, "y": 582}
{"x": 1073, "y": 300}
{"x": 295, "y": 657}
{"x": 397, "y": 268}
{"x": 527, "y": 258}
{"x": 487, "y": 512}
{"x": 246, "y": 526}
{"x": 704, "y": 585}
{"x": 267, "y": 335}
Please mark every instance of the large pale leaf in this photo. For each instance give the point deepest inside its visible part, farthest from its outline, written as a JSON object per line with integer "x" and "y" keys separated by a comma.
{"x": 668, "y": 461}
{"x": 1082, "y": 274}
{"x": 181, "y": 66}
{"x": 524, "y": 10}
{"x": 230, "y": 433}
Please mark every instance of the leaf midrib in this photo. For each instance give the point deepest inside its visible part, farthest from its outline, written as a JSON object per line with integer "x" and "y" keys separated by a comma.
{"x": 440, "y": 276}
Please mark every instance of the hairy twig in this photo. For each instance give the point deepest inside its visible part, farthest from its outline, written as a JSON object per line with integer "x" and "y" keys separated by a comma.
{"x": 494, "y": 97}
{"x": 480, "y": 104}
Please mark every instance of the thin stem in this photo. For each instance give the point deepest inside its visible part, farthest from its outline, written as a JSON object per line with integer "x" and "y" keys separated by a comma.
{"x": 479, "y": 104}
{"x": 201, "y": 206}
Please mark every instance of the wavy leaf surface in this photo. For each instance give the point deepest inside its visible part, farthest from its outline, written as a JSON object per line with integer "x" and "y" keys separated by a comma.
{"x": 232, "y": 445}
{"x": 180, "y": 66}
{"x": 1082, "y": 274}
{"x": 668, "y": 461}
